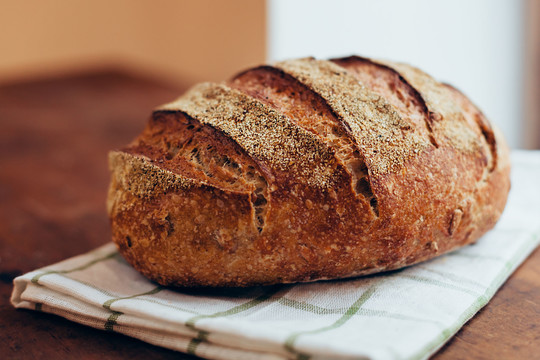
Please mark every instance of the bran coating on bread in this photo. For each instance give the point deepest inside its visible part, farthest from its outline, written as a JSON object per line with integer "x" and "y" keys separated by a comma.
{"x": 276, "y": 141}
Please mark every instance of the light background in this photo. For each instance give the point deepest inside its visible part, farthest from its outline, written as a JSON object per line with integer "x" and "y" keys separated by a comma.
{"x": 475, "y": 45}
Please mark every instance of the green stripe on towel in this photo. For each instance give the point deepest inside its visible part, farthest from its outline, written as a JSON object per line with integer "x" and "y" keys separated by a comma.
{"x": 353, "y": 309}
{"x": 35, "y": 279}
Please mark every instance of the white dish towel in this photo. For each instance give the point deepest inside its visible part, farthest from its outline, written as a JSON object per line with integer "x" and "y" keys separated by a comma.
{"x": 406, "y": 314}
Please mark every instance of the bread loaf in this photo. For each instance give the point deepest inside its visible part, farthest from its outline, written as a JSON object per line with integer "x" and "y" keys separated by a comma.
{"x": 306, "y": 170}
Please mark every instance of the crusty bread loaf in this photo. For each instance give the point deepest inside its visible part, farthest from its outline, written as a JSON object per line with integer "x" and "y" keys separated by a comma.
{"x": 306, "y": 170}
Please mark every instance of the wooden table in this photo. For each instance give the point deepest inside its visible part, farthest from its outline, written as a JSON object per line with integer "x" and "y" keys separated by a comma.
{"x": 54, "y": 138}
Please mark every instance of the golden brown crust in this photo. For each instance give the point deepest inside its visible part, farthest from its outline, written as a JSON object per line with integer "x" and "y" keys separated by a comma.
{"x": 372, "y": 121}
{"x": 306, "y": 170}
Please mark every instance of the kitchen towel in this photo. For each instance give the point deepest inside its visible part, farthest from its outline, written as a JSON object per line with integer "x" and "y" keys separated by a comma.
{"x": 403, "y": 314}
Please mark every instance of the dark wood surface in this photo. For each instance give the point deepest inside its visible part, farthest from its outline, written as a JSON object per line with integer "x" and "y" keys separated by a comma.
{"x": 54, "y": 139}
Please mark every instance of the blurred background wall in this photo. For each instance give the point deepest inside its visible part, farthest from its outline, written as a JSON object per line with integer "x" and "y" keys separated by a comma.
{"x": 531, "y": 72}
{"x": 174, "y": 40}
{"x": 475, "y": 45}
{"x": 487, "y": 48}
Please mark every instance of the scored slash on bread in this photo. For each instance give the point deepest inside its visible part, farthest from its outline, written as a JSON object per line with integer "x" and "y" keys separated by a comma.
{"x": 306, "y": 170}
